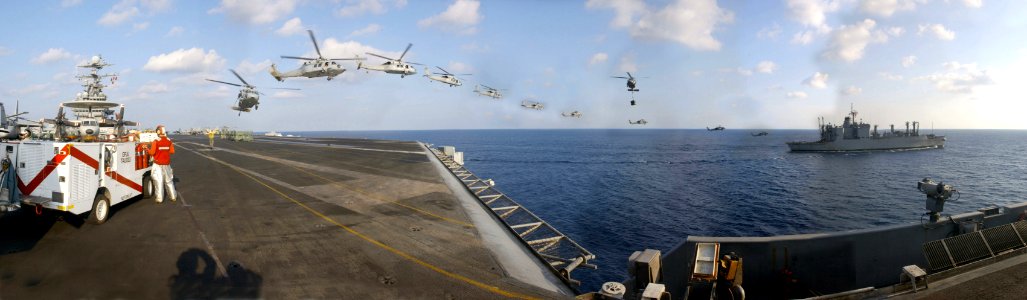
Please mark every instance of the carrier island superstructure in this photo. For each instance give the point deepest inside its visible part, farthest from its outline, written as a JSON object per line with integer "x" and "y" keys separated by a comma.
{"x": 855, "y": 135}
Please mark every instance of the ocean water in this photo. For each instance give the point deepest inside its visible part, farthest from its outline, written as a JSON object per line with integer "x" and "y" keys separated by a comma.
{"x": 619, "y": 191}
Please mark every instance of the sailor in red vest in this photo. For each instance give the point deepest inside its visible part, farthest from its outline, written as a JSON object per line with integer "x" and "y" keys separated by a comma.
{"x": 161, "y": 174}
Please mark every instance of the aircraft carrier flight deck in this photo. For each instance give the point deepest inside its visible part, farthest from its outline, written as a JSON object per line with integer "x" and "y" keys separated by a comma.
{"x": 281, "y": 218}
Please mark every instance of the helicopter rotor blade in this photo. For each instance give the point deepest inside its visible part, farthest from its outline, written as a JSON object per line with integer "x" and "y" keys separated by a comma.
{"x": 405, "y": 51}
{"x": 372, "y": 54}
{"x": 413, "y": 63}
{"x": 228, "y": 83}
{"x": 312, "y": 39}
{"x": 629, "y": 75}
{"x": 240, "y": 77}
{"x": 297, "y": 57}
{"x": 621, "y": 77}
{"x": 444, "y": 70}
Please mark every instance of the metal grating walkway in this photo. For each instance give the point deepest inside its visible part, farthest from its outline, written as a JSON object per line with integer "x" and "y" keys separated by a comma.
{"x": 560, "y": 253}
{"x": 970, "y": 247}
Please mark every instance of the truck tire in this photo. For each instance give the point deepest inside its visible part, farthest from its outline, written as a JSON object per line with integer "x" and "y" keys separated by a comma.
{"x": 101, "y": 209}
{"x": 147, "y": 188}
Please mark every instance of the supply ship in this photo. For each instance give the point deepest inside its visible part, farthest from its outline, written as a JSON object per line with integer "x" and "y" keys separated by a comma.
{"x": 858, "y": 136}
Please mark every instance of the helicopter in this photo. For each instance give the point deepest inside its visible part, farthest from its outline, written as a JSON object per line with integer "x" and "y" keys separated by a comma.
{"x": 573, "y": 114}
{"x": 445, "y": 77}
{"x": 488, "y": 91}
{"x": 631, "y": 85}
{"x": 313, "y": 67}
{"x": 631, "y": 81}
{"x": 718, "y": 128}
{"x": 248, "y": 95}
{"x": 392, "y": 66}
{"x": 532, "y": 105}
{"x": 639, "y": 122}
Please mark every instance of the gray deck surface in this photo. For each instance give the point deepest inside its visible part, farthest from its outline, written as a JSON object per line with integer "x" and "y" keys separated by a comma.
{"x": 268, "y": 220}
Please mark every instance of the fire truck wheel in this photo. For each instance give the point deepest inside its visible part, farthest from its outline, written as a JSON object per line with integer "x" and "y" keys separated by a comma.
{"x": 147, "y": 188}
{"x": 101, "y": 209}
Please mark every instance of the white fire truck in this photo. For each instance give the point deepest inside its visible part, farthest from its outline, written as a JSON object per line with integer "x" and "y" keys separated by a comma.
{"x": 78, "y": 177}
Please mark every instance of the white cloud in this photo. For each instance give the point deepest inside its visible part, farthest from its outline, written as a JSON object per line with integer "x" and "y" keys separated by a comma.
{"x": 740, "y": 71}
{"x": 939, "y": 31}
{"x": 908, "y": 61}
{"x": 51, "y": 55}
{"x": 119, "y": 13}
{"x": 461, "y": 17}
{"x": 690, "y": 23}
{"x": 973, "y": 3}
{"x": 70, "y": 3}
{"x": 598, "y": 58}
{"x": 817, "y": 80}
{"x": 627, "y": 64}
{"x": 890, "y": 76}
{"x": 154, "y": 87}
{"x": 459, "y": 67}
{"x": 803, "y": 38}
{"x": 360, "y": 7}
{"x": 796, "y": 95}
{"x": 156, "y": 6}
{"x": 126, "y": 10}
{"x": 255, "y": 11}
{"x": 852, "y": 91}
{"x": 886, "y": 8}
{"x": 137, "y": 27}
{"x": 185, "y": 60}
{"x": 5, "y": 51}
{"x": 769, "y": 32}
{"x": 248, "y": 68}
{"x": 812, "y": 13}
{"x": 849, "y": 42}
{"x": 291, "y": 27}
{"x": 959, "y": 78}
{"x": 370, "y": 29}
{"x": 288, "y": 94}
{"x": 895, "y": 31}
{"x": 766, "y": 66}
{"x": 175, "y": 31}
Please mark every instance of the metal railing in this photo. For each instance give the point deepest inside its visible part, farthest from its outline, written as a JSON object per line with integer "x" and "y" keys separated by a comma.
{"x": 560, "y": 253}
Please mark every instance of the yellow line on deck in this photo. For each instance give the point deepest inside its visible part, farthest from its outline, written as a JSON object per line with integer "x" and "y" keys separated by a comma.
{"x": 494, "y": 289}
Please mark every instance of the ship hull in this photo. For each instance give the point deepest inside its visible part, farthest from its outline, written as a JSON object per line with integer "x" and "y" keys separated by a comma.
{"x": 870, "y": 144}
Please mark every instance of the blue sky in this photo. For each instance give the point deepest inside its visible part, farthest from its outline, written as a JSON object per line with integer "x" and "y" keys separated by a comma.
{"x": 741, "y": 64}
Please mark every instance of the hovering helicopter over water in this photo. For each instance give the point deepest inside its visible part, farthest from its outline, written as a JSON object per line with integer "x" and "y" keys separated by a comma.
{"x": 313, "y": 67}
{"x": 761, "y": 133}
{"x": 632, "y": 82}
{"x": 444, "y": 77}
{"x": 248, "y": 95}
{"x": 391, "y": 65}
{"x": 718, "y": 128}
{"x": 488, "y": 91}
{"x": 639, "y": 122}
{"x": 573, "y": 114}
{"x": 532, "y": 105}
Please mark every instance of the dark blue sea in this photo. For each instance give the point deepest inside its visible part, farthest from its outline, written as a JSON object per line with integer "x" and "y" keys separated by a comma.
{"x": 619, "y": 191}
